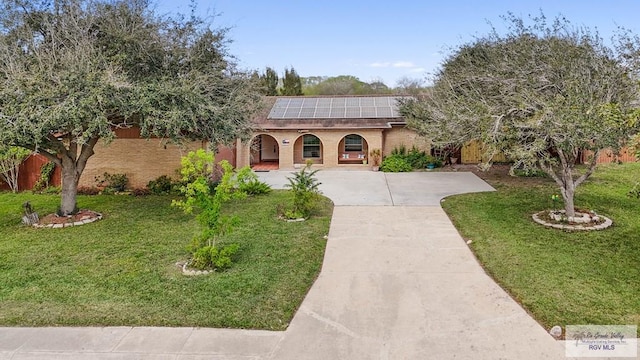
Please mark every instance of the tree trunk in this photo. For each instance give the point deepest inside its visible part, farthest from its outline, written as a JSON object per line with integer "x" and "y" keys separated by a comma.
{"x": 72, "y": 166}
{"x": 70, "y": 178}
{"x": 568, "y": 191}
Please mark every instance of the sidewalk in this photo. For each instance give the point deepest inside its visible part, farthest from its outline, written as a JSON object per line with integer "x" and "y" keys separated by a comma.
{"x": 398, "y": 282}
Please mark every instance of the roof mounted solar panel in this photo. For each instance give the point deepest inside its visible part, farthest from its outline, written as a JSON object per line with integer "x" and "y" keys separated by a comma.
{"x": 366, "y": 107}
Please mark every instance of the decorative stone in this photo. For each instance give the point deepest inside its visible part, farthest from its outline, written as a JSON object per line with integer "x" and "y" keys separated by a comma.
{"x": 57, "y": 226}
{"x": 573, "y": 223}
{"x": 556, "y": 331}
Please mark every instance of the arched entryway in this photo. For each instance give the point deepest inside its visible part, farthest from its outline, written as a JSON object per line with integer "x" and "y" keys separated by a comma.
{"x": 265, "y": 153}
{"x": 307, "y": 147}
{"x": 353, "y": 149}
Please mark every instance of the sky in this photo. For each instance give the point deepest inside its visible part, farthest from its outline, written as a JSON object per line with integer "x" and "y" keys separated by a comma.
{"x": 379, "y": 39}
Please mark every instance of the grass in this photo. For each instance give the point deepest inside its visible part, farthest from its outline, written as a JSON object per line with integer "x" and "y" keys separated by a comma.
{"x": 121, "y": 270}
{"x": 561, "y": 278}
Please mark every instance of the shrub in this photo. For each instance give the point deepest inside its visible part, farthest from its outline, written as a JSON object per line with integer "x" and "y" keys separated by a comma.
{"x": 249, "y": 183}
{"x": 305, "y": 188}
{"x": 210, "y": 257}
{"x": 162, "y": 185}
{"x": 395, "y": 163}
{"x": 112, "y": 182}
{"x": 196, "y": 171}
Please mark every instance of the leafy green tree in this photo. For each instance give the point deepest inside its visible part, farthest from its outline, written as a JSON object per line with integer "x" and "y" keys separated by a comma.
{"x": 541, "y": 93}
{"x": 73, "y": 71}
{"x": 346, "y": 85}
{"x": 291, "y": 84}
{"x": 10, "y": 159}
{"x": 269, "y": 82}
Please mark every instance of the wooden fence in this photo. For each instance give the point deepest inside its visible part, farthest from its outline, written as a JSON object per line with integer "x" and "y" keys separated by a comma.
{"x": 29, "y": 173}
{"x": 471, "y": 153}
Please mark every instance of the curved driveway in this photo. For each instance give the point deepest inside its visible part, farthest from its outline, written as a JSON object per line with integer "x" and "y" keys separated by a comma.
{"x": 397, "y": 282}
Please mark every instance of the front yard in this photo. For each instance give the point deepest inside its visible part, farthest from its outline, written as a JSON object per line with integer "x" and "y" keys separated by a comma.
{"x": 561, "y": 278}
{"x": 121, "y": 270}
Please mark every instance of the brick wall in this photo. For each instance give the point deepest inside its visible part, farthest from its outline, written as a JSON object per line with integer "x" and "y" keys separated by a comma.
{"x": 400, "y": 135}
{"x": 141, "y": 160}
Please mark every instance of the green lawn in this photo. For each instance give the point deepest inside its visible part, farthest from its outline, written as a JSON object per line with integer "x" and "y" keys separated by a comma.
{"x": 561, "y": 278}
{"x": 121, "y": 270}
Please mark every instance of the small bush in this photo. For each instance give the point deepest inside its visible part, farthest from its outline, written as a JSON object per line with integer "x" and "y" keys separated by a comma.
{"x": 395, "y": 163}
{"x": 210, "y": 257}
{"x": 162, "y": 185}
{"x": 255, "y": 187}
{"x": 249, "y": 184}
{"x": 113, "y": 182}
{"x": 305, "y": 188}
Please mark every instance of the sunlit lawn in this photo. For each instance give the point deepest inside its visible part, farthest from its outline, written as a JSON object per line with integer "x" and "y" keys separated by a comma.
{"x": 121, "y": 270}
{"x": 562, "y": 278}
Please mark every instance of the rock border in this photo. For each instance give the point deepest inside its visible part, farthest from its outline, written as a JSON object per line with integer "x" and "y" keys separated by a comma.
{"x": 69, "y": 224}
{"x": 579, "y": 227}
{"x": 192, "y": 272}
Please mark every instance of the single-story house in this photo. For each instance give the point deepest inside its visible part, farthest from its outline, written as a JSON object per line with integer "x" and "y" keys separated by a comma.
{"x": 331, "y": 131}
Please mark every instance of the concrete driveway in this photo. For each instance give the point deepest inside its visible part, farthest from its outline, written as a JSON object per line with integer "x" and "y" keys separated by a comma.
{"x": 368, "y": 188}
{"x": 397, "y": 282}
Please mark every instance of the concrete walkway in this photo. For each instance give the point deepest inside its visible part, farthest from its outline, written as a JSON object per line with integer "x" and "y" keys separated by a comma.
{"x": 398, "y": 282}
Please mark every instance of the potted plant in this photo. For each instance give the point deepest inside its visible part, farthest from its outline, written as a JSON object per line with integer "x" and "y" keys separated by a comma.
{"x": 376, "y": 156}
{"x": 431, "y": 162}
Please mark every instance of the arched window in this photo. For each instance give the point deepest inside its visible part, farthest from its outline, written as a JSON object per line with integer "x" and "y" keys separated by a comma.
{"x": 311, "y": 147}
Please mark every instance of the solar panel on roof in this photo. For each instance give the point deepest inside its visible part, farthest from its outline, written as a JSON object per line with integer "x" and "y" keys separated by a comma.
{"x": 338, "y": 102}
{"x": 324, "y": 102}
{"x": 338, "y": 107}
{"x": 352, "y": 102}
{"x": 337, "y": 112}
{"x": 383, "y": 112}
{"x": 310, "y": 103}
{"x": 367, "y": 102}
{"x": 307, "y": 112}
{"x": 322, "y": 112}
{"x": 352, "y": 112}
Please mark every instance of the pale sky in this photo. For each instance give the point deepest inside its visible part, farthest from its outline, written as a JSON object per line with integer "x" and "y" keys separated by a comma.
{"x": 377, "y": 39}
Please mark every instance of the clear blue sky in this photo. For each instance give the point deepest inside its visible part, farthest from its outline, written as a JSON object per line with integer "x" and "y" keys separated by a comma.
{"x": 379, "y": 39}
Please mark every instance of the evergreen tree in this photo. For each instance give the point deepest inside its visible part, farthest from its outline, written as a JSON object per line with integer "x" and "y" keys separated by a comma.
{"x": 292, "y": 84}
{"x": 269, "y": 82}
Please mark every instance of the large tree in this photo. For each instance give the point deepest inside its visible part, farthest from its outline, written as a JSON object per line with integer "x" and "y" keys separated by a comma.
{"x": 73, "y": 71}
{"x": 541, "y": 93}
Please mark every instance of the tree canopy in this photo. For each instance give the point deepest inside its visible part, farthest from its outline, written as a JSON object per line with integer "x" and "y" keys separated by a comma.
{"x": 73, "y": 71}
{"x": 344, "y": 85}
{"x": 541, "y": 93}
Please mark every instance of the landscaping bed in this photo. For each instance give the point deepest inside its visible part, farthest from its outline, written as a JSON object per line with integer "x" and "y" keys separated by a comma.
{"x": 560, "y": 277}
{"x": 121, "y": 270}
